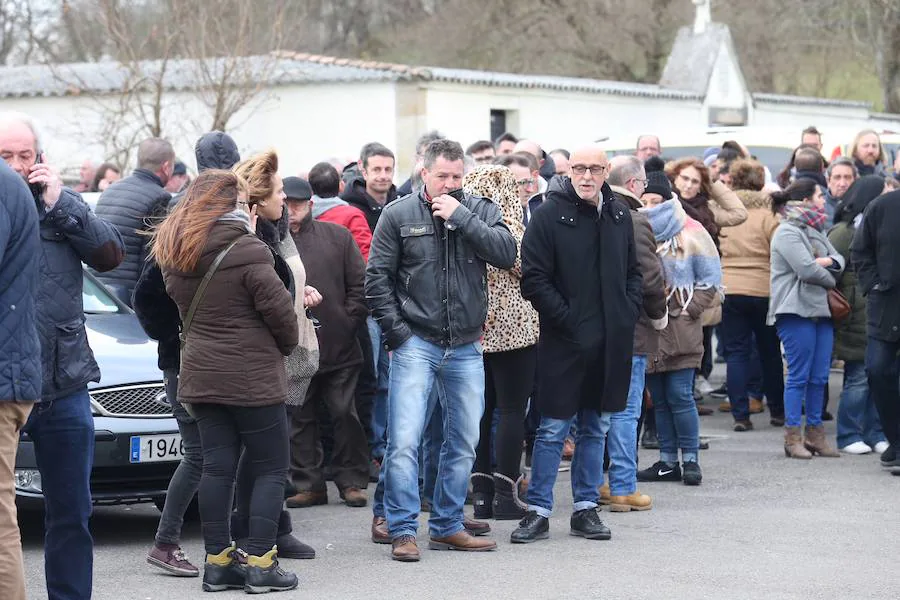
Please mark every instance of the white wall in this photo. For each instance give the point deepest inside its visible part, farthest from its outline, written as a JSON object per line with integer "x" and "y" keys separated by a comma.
{"x": 800, "y": 116}
{"x": 552, "y": 118}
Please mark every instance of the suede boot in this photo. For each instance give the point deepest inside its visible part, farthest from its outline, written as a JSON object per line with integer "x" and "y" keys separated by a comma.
{"x": 793, "y": 444}
{"x": 817, "y": 443}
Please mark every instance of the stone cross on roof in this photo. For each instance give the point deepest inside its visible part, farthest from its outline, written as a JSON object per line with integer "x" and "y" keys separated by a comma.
{"x": 703, "y": 16}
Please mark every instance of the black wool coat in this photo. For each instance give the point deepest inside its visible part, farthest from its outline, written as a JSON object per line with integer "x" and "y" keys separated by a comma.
{"x": 580, "y": 271}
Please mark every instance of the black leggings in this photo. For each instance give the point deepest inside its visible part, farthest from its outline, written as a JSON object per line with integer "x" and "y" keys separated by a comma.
{"x": 262, "y": 431}
{"x": 508, "y": 381}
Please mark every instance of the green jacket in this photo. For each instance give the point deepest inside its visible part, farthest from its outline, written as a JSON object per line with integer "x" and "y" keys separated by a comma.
{"x": 849, "y": 336}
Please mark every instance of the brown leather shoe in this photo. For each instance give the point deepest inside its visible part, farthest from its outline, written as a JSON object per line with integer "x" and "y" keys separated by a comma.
{"x": 380, "y": 533}
{"x": 404, "y": 549}
{"x": 354, "y": 497}
{"x": 307, "y": 499}
{"x": 462, "y": 541}
{"x": 725, "y": 406}
{"x": 704, "y": 411}
{"x": 635, "y": 501}
{"x": 476, "y": 527}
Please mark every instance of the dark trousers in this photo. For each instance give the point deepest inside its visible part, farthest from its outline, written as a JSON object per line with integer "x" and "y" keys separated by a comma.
{"x": 883, "y": 367}
{"x": 508, "y": 378}
{"x": 335, "y": 390}
{"x": 63, "y": 434}
{"x": 706, "y": 364}
{"x": 743, "y": 323}
{"x": 262, "y": 431}
{"x": 366, "y": 383}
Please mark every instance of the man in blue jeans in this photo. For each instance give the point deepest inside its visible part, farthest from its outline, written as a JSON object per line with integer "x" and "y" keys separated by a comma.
{"x": 628, "y": 182}
{"x": 61, "y": 426}
{"x": 580, "y": 271}
{"x": 425, "y": 285}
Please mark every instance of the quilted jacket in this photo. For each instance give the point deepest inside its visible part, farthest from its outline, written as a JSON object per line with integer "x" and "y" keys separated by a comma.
{"x": 20, "y": 349}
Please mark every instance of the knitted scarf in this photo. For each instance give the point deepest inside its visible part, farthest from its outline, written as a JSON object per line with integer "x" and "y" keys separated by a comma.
{"x": 303, "y": 362}
{"x": 689, "y": 256}
{"x": 803, "y": 214}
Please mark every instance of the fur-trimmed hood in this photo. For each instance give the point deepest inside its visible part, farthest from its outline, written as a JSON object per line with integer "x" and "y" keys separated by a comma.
{"x": 752, "y": 199}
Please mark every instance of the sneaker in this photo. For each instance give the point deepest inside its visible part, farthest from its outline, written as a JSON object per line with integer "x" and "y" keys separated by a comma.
{"x": 703, "y": 386}
{"x": 587, "y": 524}
{"x": 744, "y": 425}
{"x": 225, "y": 570}
{"x": 532, "y": 528}
{"x": 264, "y": 575}
{"x": 661, "y": 471}
{"x": 856, "y": 448}
{"x": 692, "y": 474}
{"x": 649, "y": 441}
{"x": 889, "y": 458}
{"x": 720, "y": 392}
{"x": 172, "y": 559}
{"x": 881, "y": 446}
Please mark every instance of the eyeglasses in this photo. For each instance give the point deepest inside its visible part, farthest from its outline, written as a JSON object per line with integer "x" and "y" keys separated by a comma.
{"x": 524, "y": 182}
{"x": 594, "y": 169}
{"x": 484, "y": 159}
{"x": 641, "y": 182}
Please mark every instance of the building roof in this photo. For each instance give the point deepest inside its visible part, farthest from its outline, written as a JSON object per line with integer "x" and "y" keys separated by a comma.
{"x": 807, "y": 100}
{"x": 693, "y": 57}
{"x": 293, "y": 68}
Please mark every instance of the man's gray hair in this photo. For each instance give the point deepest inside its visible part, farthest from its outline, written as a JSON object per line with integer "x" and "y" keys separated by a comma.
{"x": 842, "y": 161}
{"x": 448, "y": 149}
{"x": 626, "y": 167}
{"x": 153, "y": 152}
{"x": 10, "y": 117}
{"x": 427, "y": 138}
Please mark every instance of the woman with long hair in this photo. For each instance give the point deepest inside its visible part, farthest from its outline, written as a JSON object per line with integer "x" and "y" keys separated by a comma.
{"x": 106, "y": 175}
{"x": 858, "y": 426}
{"x": 232, "y": 374}
{"x": 510, "y": 355}
{"x": 693, "y": 277}
{"x": 804, "y": 266}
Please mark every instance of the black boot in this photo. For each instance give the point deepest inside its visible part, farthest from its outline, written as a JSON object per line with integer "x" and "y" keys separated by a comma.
{"x": 587, "y": 524}
{"x": 288, "y": 545}
{"x": 224, "y": 571}
{"x": 532, "y": 528}
{"x": 264, "y": 575}
{"x": 483, "y": 495}
{"x": 507, "y": 505}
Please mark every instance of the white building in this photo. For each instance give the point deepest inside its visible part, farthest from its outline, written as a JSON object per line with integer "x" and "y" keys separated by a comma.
{"x": 311, "y": 108}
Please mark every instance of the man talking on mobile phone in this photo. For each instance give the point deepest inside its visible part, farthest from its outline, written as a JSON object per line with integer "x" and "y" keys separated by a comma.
{"x": 426, "y": 287}
{"x": 60, "y": 425}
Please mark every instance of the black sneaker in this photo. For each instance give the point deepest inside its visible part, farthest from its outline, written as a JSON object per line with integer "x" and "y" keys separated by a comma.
{"x": 587, "y": 524}
{"x": 649, "y": 441}
{"x": 264, "y": 575}
{"x": 692, "y": 474}
{"x": 532, "y": 528}
{"x": 660, "y": 471}
{"x": 720, "y": 392}
{"x": 217, "y": 578}
{"x": 889, "y": 458}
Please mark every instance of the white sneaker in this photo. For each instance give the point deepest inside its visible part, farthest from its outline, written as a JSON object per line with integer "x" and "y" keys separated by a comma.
{"x": 704, "y": 387}
{"x": 856, "y": 448}
{"x": 881, "y": 447}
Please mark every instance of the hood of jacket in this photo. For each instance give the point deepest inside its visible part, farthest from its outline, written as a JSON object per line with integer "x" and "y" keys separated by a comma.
{"x": 216, "y": 150}
{"x": 323, "y": 205}
{"x": 753, "y": 199}
{"x": 625, "y": 195}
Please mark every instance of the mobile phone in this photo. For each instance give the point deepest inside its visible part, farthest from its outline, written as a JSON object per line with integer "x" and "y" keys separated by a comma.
{"x": 37, "y": 189}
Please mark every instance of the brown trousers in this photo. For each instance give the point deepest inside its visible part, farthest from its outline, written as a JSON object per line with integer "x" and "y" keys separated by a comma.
{"x": 13, "y": 416}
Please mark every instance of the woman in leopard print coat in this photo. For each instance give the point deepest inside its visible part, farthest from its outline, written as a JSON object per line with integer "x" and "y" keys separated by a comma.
{"x": 510, "y": 342}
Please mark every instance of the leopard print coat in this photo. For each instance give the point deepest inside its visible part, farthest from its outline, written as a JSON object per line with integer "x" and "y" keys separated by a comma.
{"x": 512, "y": 322}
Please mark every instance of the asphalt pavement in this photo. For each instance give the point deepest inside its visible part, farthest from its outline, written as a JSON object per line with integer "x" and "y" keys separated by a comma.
{"x": 760, "y": 526}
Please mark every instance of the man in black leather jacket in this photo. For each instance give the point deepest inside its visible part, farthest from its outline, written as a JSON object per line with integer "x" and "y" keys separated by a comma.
{"x": 426, "y": 284}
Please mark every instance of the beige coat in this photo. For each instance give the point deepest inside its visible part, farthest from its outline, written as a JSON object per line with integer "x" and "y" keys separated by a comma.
{"x": 728, "y": 211}
{"x": 746, "y": 248}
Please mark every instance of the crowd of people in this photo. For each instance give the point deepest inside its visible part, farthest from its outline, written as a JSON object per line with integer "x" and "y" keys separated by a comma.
{"x": 503, "y": 303}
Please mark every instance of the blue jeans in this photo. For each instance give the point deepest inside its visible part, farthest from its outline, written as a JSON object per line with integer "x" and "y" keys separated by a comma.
{"x": 807, "y": 346}
{"x": 382, "y": 360}
{"x": 622, "y": 442}
{"x": 857, "y": 417}
{"x": 458, "y": 373}
{"x": 677, "y": 421}
{"x": 587, "y": 464}
{"x": 63, "y": 434}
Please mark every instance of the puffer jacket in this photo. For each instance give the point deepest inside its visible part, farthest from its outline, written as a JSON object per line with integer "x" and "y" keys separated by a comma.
{"x": 850, "y": 336}
{"x": 428, "y": 277}
{"x": 20, "y": 347}
{"x": 132, "y": 205}
{"x": 243, "y": 327}
{"x": 746, "y": 247}
{"x": 70, "y": 235}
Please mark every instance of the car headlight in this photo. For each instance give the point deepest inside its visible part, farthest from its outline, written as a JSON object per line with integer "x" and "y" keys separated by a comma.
{"x": 28, "y": 480}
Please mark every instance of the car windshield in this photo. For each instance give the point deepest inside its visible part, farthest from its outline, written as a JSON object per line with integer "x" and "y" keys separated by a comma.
{"x": 96, "y": 299}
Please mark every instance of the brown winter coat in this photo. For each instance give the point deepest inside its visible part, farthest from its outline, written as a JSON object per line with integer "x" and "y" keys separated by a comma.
{"x": 646, "y": 337}
{"x": 681, "y": 342}
{"x": 746, "y": 248}
{"x": 242, "y": 329}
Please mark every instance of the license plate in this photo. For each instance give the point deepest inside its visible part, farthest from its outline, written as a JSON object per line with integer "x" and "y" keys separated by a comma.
{"x": 156, "y": 448}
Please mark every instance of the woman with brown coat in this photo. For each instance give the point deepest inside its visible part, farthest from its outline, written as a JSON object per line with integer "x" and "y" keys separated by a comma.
{"x": 232, "y": 369}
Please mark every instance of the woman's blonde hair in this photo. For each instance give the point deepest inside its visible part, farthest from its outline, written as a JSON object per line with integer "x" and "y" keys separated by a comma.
{"x": 178, "y": 242}
{"x": 259, "y": 172}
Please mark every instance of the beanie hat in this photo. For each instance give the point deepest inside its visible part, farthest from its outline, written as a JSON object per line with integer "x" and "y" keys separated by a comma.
{"x": 657, "y": 181}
